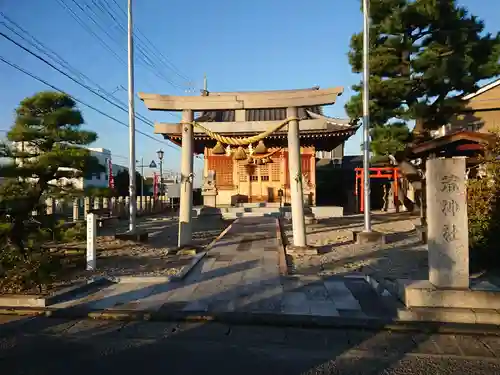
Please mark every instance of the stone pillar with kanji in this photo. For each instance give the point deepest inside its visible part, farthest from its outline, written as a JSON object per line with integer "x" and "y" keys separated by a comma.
{"x": 448, "y": 237}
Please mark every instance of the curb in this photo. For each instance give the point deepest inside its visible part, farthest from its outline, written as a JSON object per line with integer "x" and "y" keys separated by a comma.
{"x": 22, "y": 301}
{"x": 222, "y": 234}
{"x": 261, "y": 319}
{"x": 197, "y": 258}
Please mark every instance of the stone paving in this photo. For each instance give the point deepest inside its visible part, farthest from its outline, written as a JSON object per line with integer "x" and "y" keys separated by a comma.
{"x": 241, "y": 273}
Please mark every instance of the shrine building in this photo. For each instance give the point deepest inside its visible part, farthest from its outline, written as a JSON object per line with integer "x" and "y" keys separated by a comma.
{"x": 259, "y": 172}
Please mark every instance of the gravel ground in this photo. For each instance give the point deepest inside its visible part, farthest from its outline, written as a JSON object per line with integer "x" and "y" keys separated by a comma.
{"x": 124, "y": 258}
{"x": 402, "y": 257}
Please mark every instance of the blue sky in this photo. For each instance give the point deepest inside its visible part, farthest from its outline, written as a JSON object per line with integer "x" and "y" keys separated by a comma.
{"x": 240, "y": 45}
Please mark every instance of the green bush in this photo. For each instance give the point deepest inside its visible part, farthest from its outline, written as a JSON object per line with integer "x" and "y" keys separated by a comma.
{"x": 32, "y": 271}
{"x": 483, "y": 201}
{"x": 74, "y": 233}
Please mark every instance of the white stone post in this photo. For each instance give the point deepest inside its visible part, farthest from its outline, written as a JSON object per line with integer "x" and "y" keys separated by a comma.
{"x": 448, "y": 236}
{"x": 127, "y": 204}
{"x": 91, "y": 242}
{"x": 113, "y": 205}
{"x": 186, "y": 204}
{"x": 96, "y": 203}
{"x": 296, "y": 190}
{"x": 50, "y": 203}
{"x": 86, "y": 206}
{"x": 76, "y": 209}
{"x": 121, "y": 207}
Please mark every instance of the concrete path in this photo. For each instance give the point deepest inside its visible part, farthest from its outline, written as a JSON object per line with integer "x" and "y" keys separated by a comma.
{"x": 241, "y": 273}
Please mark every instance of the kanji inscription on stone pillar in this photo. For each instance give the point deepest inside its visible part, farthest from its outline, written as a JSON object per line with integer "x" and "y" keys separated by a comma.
{"x": 448, "y": 239}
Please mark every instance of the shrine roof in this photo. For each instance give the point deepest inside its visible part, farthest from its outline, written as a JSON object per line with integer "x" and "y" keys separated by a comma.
{"x": 264, "y": 114}
{"x": 451, "y": 141}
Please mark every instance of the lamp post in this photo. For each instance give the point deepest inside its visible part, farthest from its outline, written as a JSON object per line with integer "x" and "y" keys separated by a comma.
{"x": 160, "y": 154}
{"x": 366, "y": 115}
{"x": 131, "y": 121}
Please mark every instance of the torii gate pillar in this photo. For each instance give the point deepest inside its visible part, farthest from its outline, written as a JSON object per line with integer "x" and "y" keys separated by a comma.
{"x": 186, "y": 199}
{"x": 295, "y": 173}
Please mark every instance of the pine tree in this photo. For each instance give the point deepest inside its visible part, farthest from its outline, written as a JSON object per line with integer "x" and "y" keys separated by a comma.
{"x": 424, "y": 56}
{"x": 46, "y": 151}
{"x": 122, "y": 183}
{"x": 389, "y": 139}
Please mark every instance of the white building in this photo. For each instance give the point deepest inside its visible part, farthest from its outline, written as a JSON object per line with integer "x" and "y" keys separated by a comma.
{"x": 98, "y": 180}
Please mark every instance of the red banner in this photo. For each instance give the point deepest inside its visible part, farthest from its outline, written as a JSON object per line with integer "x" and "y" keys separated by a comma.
{"x": 111, "y": 179}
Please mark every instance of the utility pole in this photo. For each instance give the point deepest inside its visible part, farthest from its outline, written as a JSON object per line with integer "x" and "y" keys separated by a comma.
{"x": 131, "y": 121}
{"x": 366, "y": 114}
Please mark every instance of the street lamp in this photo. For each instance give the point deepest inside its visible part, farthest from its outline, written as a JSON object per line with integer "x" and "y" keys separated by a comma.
{"x": 160, "y": 154}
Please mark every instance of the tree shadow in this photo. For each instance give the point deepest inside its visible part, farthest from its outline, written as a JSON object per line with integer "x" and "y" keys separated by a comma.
{"x": 58, "y": 347}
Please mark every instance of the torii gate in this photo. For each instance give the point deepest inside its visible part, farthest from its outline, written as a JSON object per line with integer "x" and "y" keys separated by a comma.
{"x": 290, "y": 100}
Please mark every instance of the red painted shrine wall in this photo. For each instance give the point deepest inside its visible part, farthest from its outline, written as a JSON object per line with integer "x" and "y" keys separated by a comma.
{"x": 223, "y": 167}
{"x": 305, "y": 166}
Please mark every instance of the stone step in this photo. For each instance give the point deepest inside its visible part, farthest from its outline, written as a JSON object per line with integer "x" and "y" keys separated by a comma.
{"x": 423, "y": 294}
{"x": 260, "y": 204}
{"x": 236, "y": 215}
{"x": 249, "y": 209}
{"x": 449, "y": 315}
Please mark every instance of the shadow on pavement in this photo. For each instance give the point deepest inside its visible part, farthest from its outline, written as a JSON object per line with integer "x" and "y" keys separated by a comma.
{"x": 52, "y": 346}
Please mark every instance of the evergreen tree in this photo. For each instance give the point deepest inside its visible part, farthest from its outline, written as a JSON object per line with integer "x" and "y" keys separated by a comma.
{"x": 389, "y": 139}
{"x": 45, "y": 152}
{"x": 122, "y": 183}
{"x": 424, "y": 56}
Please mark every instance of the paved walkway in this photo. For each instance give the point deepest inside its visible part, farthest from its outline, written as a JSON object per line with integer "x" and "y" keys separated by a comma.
{"x": 241, "y": 273}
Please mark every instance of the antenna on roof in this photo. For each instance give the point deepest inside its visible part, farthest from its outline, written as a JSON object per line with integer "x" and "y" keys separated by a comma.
{"x": 204, "y": 92}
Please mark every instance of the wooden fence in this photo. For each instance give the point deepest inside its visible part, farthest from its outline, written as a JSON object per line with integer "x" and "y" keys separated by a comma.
{"x": 117, "y": 207}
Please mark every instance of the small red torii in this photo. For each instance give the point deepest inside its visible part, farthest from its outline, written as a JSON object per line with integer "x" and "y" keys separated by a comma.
{"x": 380, "y": 172}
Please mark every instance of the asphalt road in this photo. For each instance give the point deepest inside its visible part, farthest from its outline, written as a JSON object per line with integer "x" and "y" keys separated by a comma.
{"x": 50, "y": 346}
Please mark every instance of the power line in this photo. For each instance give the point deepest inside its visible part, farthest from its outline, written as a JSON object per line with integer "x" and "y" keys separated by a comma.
{"x": 146, "y": 121}
{"x": 154, "y": 49}
{"x": 89, "y": 30}
{"x": 59, "y": 60}
{"x": 65, "y": 64}
{"x": 143, "y": 57}
{"x": 78, "y": 100}
{"x": 87, "y": 105}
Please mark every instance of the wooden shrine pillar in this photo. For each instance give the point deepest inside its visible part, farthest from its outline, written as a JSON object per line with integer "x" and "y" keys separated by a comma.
{"x": 295, "y": 173}
{"x": 186, "y": 199}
